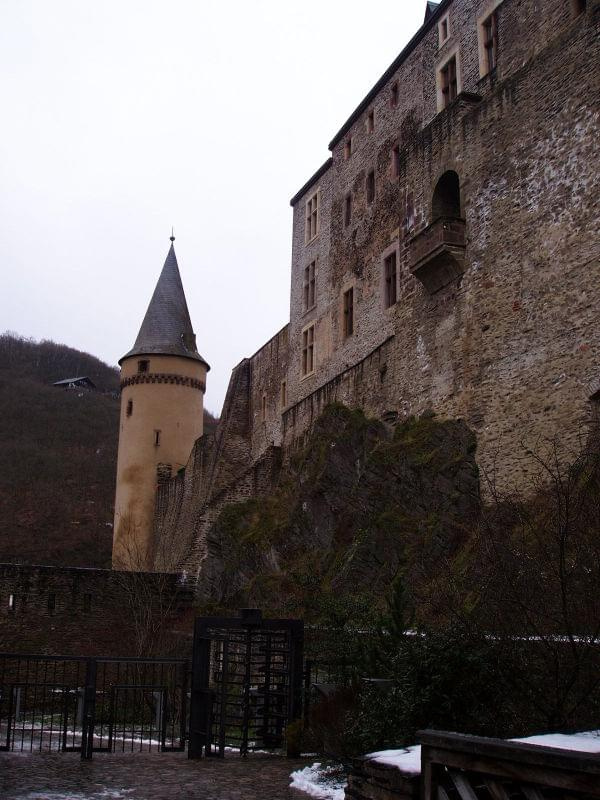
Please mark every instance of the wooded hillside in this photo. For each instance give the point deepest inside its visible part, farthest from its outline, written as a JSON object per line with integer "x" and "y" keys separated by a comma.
{"x": 58, "y": 451}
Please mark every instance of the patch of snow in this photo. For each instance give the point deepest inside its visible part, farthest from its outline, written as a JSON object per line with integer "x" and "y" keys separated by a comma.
{"x": 585, "y": 742}
{"x": 407, "y": 759}
{"x": 323, "y": 783}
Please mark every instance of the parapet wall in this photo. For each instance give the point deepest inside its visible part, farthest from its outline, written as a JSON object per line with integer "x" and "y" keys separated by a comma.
{"x": 90, "y": 612}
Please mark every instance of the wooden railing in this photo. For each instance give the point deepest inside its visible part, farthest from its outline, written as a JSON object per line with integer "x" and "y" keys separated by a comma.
{"x": 457, "y": 767}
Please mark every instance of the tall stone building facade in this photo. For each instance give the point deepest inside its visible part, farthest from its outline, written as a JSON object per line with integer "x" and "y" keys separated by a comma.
{"x": 163, "y": 380}
{"x": 445, "y": 257}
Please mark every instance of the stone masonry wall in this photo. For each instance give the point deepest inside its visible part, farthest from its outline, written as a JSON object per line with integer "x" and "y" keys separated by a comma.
{"x": 510, "y": 345}
{"x": 74, "y": 611}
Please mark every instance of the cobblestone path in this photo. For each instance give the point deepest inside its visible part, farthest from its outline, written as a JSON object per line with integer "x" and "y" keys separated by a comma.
{"x": 146, "y": 776}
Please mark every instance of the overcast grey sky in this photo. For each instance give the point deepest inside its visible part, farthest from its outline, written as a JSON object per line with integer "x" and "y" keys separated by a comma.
{"x": 121, "y": 118}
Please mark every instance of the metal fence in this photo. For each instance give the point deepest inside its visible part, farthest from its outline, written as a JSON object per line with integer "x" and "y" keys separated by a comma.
{"x": 92, "y": 705}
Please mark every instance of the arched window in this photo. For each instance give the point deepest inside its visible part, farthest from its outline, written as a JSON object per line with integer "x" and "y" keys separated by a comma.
{"x": 446, "y": 196}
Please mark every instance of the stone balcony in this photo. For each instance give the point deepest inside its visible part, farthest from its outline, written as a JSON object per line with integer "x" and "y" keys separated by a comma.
{"x": 436, "y": 254}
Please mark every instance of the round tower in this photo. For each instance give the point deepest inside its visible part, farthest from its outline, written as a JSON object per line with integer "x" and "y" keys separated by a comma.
{"x": 163, "y": 379}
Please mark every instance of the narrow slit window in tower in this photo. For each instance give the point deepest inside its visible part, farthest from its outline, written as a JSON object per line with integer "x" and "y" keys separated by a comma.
{"x": 371, "y": 186}
{"x": 129, "y": 408}
{"x": 156, "y": 438}
{"x": 371, "y": 122}
{"x": 390, "y": 280}
{"x": 348, "y": 313}
{"x": 348, "y": 210}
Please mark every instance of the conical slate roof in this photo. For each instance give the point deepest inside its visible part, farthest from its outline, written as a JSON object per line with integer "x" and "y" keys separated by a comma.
{"x": 167, "y": 328}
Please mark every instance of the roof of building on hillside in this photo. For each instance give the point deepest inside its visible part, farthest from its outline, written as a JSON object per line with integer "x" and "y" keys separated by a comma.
{"x": 82, "y": 379}
{"x": 167, "y": 327}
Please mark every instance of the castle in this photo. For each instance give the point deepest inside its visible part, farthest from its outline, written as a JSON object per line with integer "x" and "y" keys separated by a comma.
{"x": 445, "y": 257}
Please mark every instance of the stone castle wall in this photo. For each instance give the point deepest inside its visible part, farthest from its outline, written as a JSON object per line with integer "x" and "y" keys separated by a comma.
{"x": 90, "y": 612}
{"x": 511, "y": 344}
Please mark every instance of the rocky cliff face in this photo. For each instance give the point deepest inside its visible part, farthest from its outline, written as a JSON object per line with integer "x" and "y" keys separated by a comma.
{"x": 361, "y": 502}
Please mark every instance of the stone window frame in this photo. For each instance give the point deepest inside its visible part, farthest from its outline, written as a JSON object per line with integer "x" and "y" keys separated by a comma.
{"x": 348, "y": 315}
{"x": 488, "y": 10}
{"x": 370, "y": 187}
{"x": 392, "y": 249}
{"x": 348, "y": 210}
{"x": 283, "y": 394}
{"x": 308, "y": 346}
{"x": 444, "y": 30}
{"x": 370, "y": 121}
{"x": 143, "y": 365}
{"x": 263, "y": 407}
{"x": 454, "y": 52}
{"x": 309, "y": 284}
{"x": 395, "y": 94}
{"x": 312, "y": 216}
{"x": 348, "y": 148}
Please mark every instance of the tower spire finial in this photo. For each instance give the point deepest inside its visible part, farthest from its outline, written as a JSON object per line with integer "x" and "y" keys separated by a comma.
{"x": 172, "y": 236}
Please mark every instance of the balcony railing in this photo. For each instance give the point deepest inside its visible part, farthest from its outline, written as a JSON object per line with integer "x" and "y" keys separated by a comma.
{"x": 437, "y": 253}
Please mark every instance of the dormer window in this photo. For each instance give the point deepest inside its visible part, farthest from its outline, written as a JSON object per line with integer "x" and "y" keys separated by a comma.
{"x": 143, "y": 366}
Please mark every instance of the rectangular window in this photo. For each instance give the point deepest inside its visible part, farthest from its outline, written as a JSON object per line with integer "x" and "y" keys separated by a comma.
{"x": 11, "y": 602}
{"x": 371, "y": 186}
{"x": 156, "y": 438}
{"x": 309, "y": 287}
{"x": 308, "y": 350}
{"x": 389, "y": 265}
{"x": 347, "y": 149}
{"x": 370, "y": 122}
{"x": 348, "y": 210}
{"x": 490, "y": 42}
{"x": 283, "y": 396}
{"x": 449, "y": 82}
{"x": 394, "y": 95}
{"x": 312, "y": 217}
{"x": 444, "y": 30}
{"x": 143, "y": 366}
{"x": 396, "y": 161}
{"x": 348, "y": 313}
{"x": 129, "y": 408}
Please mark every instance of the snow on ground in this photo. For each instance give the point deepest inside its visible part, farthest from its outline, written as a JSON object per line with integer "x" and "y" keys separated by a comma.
{"x": 408, "y": 759}
{"x": 325, "y": 783}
